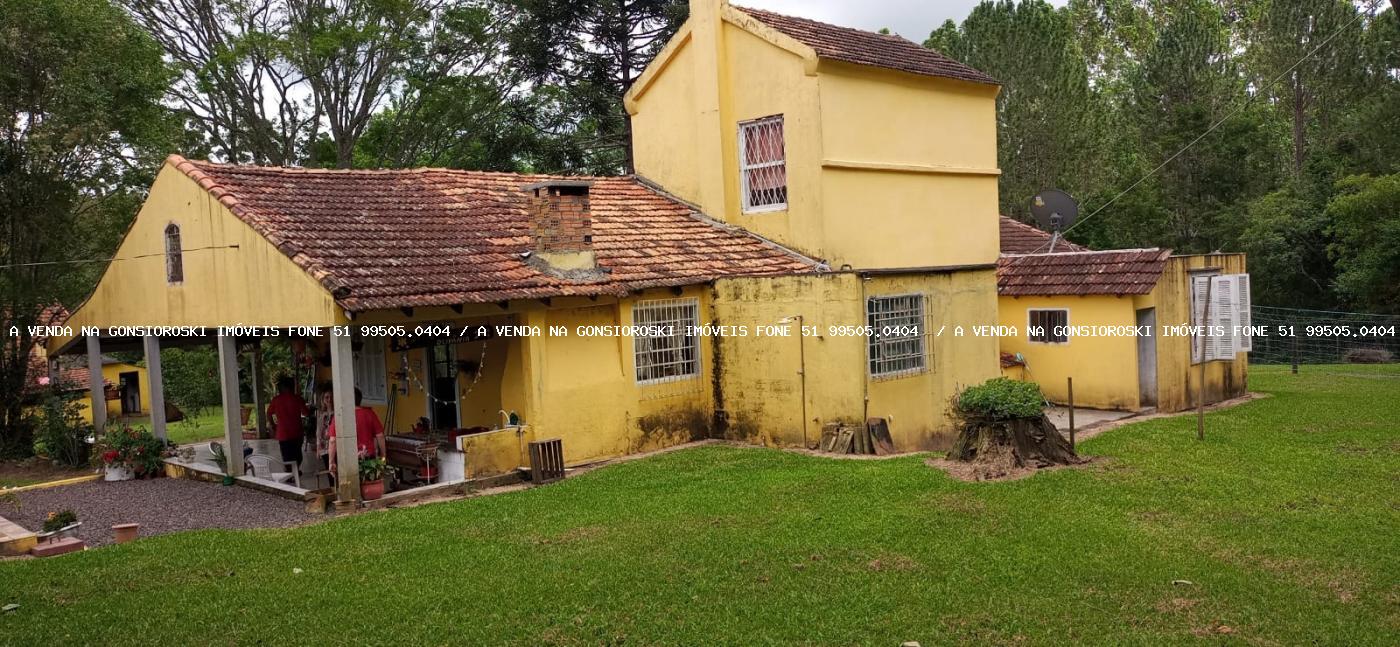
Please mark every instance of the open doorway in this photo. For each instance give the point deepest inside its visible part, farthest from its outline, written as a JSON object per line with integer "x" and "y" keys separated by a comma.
{"x": 1147, "y": 358}
{"x": 129, "y": 384}
{"x": 442, "y": 379}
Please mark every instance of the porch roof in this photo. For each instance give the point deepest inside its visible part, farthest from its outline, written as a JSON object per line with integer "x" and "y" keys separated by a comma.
{"x": 382, "y": 239}
{"x": 1111, "y": 272}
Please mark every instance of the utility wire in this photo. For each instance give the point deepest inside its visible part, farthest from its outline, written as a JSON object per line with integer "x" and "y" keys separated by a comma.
{"x": 113, "y": 259}
{"x": 1220, "y": 121}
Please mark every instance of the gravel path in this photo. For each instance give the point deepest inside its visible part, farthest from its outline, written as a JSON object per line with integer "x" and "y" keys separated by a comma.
{"x": 160, "y": 505}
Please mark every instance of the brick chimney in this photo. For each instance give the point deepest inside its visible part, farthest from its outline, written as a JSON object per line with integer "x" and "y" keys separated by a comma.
{"x": 561, "y": 225}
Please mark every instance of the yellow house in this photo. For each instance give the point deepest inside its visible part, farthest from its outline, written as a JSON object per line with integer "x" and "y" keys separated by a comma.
{"x": 1119, "y": 322}
{"x": 813, "y": 207}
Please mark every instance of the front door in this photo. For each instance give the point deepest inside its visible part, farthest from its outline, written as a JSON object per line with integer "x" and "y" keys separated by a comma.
{"x": 442, "y": 386}
{"x": 1147, "y": 358}
{"x": 130, "y": 384}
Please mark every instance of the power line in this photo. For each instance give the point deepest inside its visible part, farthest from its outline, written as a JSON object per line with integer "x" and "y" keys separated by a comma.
{"x": 113, "y": 259}
{"x": 1222, "y": 120}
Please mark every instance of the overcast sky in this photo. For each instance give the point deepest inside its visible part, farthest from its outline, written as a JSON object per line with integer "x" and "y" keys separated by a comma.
{"x": 912, "y": 19}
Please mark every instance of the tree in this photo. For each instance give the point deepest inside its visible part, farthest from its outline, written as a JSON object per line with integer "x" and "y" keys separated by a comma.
{"x": 79, "y": 95}
{"x": 593, "y": 50}
{"x": 1365, "y": 226}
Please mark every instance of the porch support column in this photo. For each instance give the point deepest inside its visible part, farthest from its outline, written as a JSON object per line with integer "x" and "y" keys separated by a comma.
{"x": 156, "y": 385}
{"x": 347, "y": 458}
{"x": 259, "y": 410}
{"x": 228, "y": 388}
{"x": 96, "y": 391}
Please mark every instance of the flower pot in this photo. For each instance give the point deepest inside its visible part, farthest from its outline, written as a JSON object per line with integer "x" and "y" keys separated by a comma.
{"x": 115, "y": 472}
{"x": 228, "y": 480}
{"x": 126, "y": 531}
{"x": 371, "y": 490}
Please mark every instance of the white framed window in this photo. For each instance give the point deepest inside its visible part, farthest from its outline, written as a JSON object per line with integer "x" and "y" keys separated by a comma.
{"x": 174, "y": 255}
{"x": 1047, "y": 325}
{"x": 670, "y": 355}
{"x": 763, "y": 165}
{"x": 371, "y": 374}
{"x": 897, "y": 344}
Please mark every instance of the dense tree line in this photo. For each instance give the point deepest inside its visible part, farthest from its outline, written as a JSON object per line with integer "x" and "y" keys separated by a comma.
{"x": 1298, "y": 102}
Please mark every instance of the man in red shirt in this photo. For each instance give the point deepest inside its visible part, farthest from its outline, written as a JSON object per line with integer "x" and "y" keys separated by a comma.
{"x": 285, "y": 412}
{"x": 369, "y": 432}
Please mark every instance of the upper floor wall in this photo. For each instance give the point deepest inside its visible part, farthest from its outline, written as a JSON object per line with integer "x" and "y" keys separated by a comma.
{"x": 882, "y": 168}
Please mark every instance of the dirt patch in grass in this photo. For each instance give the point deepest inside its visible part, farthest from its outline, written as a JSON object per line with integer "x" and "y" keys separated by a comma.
{"x": 892, "y": 562}
{"x": 975, "y": 473}
{"x": 1177, "y": 605}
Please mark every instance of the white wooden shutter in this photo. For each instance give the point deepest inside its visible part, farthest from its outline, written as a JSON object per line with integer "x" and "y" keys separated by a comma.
{"x": 1243, "y": 303}
{"x": 1224, "y": 315}
{"x": 1198, "y": 303}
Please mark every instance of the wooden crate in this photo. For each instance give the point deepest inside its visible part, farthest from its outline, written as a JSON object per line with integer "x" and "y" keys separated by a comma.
{"x": 546, "y": 460}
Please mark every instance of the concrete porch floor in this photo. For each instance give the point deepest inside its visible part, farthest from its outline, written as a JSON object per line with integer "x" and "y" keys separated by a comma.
{"x": 1083, "y": 418}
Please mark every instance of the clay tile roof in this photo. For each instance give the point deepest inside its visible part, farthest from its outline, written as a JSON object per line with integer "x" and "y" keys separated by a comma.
{"x": 424, "y": 237}
{"x": 1020, "y": 238}
{"x": 1112, "y": 272}
{"x": 868, "y": 48}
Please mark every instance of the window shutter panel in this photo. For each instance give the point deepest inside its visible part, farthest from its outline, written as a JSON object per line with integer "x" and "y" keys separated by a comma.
{"x": 1223, "y": 314}
{"x": 1243, "y": 302}
{"x": 1198, "y": 302}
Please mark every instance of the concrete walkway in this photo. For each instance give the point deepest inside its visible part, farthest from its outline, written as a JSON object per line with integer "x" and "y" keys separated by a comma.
{"x": 1084, "y": 418}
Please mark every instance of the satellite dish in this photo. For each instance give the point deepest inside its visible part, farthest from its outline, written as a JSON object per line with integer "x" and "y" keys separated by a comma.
{"x": 1054, "y": 211}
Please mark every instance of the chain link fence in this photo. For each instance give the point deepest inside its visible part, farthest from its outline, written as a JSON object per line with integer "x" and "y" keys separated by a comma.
{"x": 1299, "y": 336}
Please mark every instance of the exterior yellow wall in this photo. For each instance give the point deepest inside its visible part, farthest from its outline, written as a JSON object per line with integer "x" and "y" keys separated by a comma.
{"x": 1177, "y": 377}
{"x": 1104, "y": 368}
{"x": 222, "y": 285}
{"x": 885, "y": 169}
{"x": 761, "y": 377}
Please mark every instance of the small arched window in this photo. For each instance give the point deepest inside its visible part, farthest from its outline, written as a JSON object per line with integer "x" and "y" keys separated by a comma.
{"x": 174, "y": 258}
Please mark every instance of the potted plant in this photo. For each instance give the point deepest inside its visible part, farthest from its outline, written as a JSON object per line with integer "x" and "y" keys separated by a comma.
{"x": 129, "y": 453}
{"x": 372, "y": 471}
{"x": 221, "y": 459}
{"x": 59, "y": 525}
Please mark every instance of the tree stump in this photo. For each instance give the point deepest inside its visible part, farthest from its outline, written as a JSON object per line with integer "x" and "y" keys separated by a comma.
{"x": 999, "y": 448}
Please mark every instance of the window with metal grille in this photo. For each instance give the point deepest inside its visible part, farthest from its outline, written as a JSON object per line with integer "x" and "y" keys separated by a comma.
{"x": 669, "y": 354}
{"x": 174, "y": 256}
{"x": 1048, "y": 326}
{"x": 763, "y": 164}
{"x": 897, "y": 344}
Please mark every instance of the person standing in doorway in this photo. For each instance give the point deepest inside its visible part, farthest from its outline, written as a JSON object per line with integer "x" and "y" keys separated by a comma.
{"x": 285, "y": 411}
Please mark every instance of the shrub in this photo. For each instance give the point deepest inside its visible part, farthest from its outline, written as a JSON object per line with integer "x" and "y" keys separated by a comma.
{"x": 133, "y": 448}
{"x": 1001, "y": 398}
{"x": 60, "y": 430}
{"x": 1369, "y": 356}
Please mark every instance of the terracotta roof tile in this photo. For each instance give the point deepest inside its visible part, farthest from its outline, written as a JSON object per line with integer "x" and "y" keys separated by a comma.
{"x": 1113, "y": 272}
{"x": 1020, "y": 238}
{"x": 424, "y": 237}
{"x": 868, "y": 48}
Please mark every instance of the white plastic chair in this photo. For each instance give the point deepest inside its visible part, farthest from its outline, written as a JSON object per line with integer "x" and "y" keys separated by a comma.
{"x": 265, "y": 467}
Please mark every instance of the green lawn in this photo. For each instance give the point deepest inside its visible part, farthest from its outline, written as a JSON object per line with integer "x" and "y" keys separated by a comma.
{"x": 1285, "y": 522}
{"x": 208, "y": 425}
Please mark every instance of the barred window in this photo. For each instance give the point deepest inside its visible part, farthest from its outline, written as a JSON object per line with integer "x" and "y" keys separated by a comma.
{"x": 763, "y": 164}
{"x": 897, "y": 344}
{"x": 174, "y": 255}
{"x": 670, "y": 355}
{"x": 1048, "y": 326}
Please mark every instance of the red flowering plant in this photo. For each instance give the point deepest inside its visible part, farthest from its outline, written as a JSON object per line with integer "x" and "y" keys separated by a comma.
{"x": 134, "y": 448}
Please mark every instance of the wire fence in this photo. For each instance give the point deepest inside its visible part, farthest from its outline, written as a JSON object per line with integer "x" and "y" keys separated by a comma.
{"x": 1299, "y": 336}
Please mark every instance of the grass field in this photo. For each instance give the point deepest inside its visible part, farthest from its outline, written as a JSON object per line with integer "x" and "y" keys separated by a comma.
{"x": 1283, "y": 524}
{"x": 207, "y": 425}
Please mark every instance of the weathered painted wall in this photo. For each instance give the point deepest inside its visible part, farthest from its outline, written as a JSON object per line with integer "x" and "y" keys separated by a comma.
{"x": 761, "y": 377}
{"x": 228, "y": 269}
{"x": 1177, "y": 377}
{"x": 1104, "y": 368}
{"x": 885, "y": 169}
